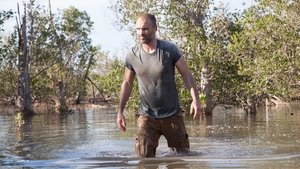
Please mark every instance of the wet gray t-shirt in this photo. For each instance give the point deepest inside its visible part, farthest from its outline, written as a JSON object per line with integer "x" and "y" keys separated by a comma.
{"x": 156, "y": 80}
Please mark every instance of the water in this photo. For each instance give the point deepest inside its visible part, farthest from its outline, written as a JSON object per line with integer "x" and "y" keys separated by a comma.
{"x": 89, "y": 138}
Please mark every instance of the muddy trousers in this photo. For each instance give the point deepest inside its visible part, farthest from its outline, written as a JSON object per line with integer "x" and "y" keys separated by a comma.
{"x": 149, "y": 131}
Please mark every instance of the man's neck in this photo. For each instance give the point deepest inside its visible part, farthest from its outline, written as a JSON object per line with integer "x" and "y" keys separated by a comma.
{"x": 150, "y": 47}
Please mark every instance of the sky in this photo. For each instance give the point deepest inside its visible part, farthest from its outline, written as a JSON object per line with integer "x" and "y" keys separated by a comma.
{"x": 105, "y": 33}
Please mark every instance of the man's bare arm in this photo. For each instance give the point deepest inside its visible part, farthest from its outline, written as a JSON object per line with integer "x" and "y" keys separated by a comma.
{"x": 190, "y": 85}
{"x": 126, "y": 88}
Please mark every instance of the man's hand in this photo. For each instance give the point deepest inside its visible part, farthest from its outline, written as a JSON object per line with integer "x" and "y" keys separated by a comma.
{"x": 121, "y": 121}
{"x": 196, "y": 110}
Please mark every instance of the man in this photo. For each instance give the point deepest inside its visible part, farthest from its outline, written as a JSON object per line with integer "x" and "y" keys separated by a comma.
{"x": 153, "y": 62}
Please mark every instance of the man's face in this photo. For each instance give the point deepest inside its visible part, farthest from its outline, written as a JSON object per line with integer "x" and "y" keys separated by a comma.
{"x": 145, "y": 30}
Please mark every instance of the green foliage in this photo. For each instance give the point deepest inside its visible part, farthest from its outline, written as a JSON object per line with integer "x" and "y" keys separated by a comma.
{"x": 202, "y": 98}
{"x": 60, "y": 51}
{"x": 41, "y": 92}
{"x": 266, "y": 49}
{"x": 68, "y": 53}
{"x": 8, "y": 74}
{"x": 111, "y": 82}
{"x": 5, "y": 49}
{"x": 4, "y": 16}
{"x": 8, "y": 86}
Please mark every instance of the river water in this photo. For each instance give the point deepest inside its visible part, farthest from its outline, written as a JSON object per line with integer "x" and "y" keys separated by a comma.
{"x": 89, "y": 138}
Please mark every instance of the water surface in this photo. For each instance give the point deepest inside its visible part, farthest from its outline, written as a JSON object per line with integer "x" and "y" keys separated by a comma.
{"x": 89, "y": 138}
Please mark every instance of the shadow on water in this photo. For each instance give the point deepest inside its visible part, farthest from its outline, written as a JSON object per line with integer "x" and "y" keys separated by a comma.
{"x": 89, "y": 138}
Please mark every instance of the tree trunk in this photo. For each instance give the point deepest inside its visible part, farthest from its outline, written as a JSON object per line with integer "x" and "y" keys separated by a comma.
{"x": 252, "y": 105}
{"x": 61, "y": 104}
{"x": 93, "y": 84}
{"x": 206, "y": 89}
{"x": 94, "y": 95}
{"x": 23, "y": 100}
{"x": 84, "y": 79}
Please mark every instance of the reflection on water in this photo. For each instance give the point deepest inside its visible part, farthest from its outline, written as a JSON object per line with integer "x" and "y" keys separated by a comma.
{"x": 89, "y": 138}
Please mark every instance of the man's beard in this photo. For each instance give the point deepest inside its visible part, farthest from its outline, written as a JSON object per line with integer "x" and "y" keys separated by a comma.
{"x": 146, "y": 39}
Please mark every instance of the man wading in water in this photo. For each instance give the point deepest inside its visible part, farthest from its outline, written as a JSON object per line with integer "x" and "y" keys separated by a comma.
{"x": 153, "y": 62}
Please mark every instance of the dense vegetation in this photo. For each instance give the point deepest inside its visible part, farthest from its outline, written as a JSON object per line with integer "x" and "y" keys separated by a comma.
{"x": 236, "y": 58}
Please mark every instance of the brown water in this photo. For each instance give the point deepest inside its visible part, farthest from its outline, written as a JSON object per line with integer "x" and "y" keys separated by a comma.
{"x": 89, "y": 138}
